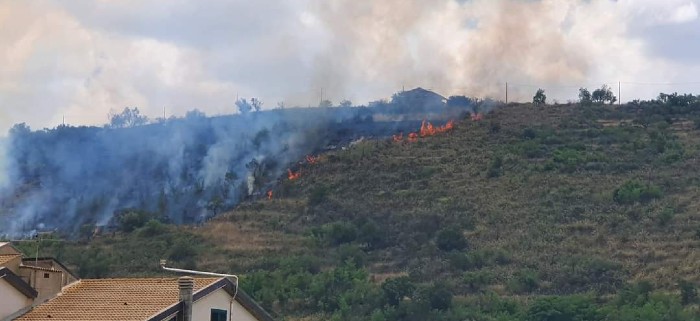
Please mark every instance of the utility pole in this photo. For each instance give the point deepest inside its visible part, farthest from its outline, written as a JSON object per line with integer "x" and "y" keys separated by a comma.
{"x": 619, "y": 93}
{"x": 506, "y": 93}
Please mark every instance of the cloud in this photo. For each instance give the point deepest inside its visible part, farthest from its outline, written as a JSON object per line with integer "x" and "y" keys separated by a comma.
{"x": 79, "y": 59}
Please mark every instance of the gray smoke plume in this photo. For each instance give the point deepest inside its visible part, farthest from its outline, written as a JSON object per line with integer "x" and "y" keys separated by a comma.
{"x": 79, "y": 59}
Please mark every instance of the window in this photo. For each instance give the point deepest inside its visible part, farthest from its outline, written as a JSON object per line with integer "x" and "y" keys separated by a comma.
{"x": 46, "y": 275}
{"x": 218, "y": 315}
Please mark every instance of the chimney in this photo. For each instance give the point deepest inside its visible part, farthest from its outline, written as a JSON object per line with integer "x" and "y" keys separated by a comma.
{"x": 185, "y": 285}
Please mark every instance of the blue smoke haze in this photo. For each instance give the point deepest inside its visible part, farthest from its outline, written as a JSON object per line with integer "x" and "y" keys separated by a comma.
{"x": 186, "y": 169}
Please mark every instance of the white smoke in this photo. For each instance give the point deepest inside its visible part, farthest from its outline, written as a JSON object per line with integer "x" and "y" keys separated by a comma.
{"x": 4, "y": 165}
{"x": 81, "y": 59}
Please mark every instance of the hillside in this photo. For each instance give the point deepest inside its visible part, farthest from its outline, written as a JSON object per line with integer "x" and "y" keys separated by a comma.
{"x": 595, "y": 205}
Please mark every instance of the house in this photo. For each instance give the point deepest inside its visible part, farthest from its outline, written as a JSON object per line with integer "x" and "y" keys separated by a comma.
{"x": 153, "y": 299}
{"x": 418, "y": 100}
{"x": 15, "y": 294}
{"x": 44, "y": 289}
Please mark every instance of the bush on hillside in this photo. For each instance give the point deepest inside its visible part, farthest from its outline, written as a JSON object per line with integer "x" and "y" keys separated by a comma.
{"x": 573, "y": 308}
{"x": 524, "y": 281}
{"x": 450, "y": 239}
{"x": 396, "y": 289}
{"x": 132, "y": 219}
{"x": 477, "y": 280}
{"x": 634, "y": 191}
{"x": 689, "y": 292}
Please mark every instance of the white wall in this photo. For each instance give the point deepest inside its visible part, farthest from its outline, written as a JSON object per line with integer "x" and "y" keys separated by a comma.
{"x": 219, "y": 299}
{"x": 11, "y": 300}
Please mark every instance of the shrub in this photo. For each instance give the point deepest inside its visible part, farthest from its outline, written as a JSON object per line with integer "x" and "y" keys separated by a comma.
{"x": 336, "y": 233}
{"x": 352, "y": 253}
{"x": 152, "y": 228}
{"x": 586, "y": 274}
{"x": 450, "y": 239}
{"x": 495, "y": 168}
{"x": 318, "y": 195}
{"x": 371, "y": 235}
{"x": 666, "y": 215}
{"x": 523, "y": 282}
{"x": 689, "y": 294}
{"x": 438, "y": 296}
{"x": 395, "y": 289}
{"x": 529, "y": 133}
{"x": 181, "y": 250}
{"x": 532, "y": 149}
{"x": 572, "y": 308}
{"x": 634, "y": 191}
{"x": 129, "y": 220}
{"x": 477, "y": 280}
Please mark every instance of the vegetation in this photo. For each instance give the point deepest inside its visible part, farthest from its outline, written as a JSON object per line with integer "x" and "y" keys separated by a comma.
{"x": 540, "y": 98}
{"x": 568, "y": 212}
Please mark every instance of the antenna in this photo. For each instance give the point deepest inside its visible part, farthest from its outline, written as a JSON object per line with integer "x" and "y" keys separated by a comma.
{"x": 235, "y": 277}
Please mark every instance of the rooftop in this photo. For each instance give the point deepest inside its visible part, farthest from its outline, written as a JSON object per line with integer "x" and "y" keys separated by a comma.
{"x": 4, "y": 258}
{"x": 113, "y": 299}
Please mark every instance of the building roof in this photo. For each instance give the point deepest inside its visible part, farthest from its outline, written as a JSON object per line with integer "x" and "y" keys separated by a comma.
{"x": 16, "y": 282}
{"x": 114, "y": 299}
{"x": 39, "y": 268}
{"x": 8, "y": 244}
{"x": 4, "y": 258}
{"x": 30, "y": 260}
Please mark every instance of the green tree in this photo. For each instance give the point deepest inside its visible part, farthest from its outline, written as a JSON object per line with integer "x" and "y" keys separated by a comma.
{"x": 603, "y": 95}
{"x": 243, "y": 106}
{"x": 450, "y": 239}
{"x": 256, "y": 104}
{"x": 540, "y": 98}
{"x": 396, "y": 289}
{"x": 129, "y": 117}
{"x": 129, "y": 220}
{"x": 584, "y": 96}
{"x": 345, "y": 103}
{"x": 459, "y": 101}
{"x": 438, "y": 296}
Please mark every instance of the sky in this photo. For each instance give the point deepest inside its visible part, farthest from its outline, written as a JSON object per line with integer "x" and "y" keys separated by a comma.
{"x": 78, "y": 60}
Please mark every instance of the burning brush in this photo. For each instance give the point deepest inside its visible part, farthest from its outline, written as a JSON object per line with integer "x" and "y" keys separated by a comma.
{"x": 292, "y": 175}
{"x": 426, "y": 129}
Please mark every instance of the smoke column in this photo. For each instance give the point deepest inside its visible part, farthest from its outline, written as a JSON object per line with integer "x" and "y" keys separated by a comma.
{"x": 82, "y": 58}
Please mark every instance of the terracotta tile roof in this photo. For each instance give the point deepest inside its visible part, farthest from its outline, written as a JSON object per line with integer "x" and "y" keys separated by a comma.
{"x": 38, "y": 268}
{"x": 4, "y": 258}
{"x": 112, "y": 299}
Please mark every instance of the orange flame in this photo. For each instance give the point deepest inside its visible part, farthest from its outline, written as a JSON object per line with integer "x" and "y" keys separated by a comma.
{"x": 477, "y": 117}
{"x": 427, "y": 129}
{"x": 292, "y": 175}
{"x": 269, "y": 194}
{"x": 312, "y": 160}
